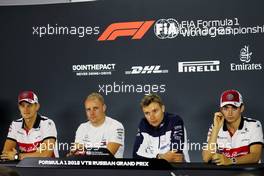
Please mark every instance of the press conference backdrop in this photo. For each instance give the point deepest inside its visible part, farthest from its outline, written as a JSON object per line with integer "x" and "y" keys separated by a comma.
{"x": 188, "y": 52}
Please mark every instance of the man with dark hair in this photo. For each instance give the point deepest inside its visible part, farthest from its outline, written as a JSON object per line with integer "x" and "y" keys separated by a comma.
{"x": 34, "y": 134}
{"x": 232, "y": 138}
{"x": 160, "y": 134}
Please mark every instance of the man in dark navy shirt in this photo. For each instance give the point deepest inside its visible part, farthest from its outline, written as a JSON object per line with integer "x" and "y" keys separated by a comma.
{"x": 160, "y": 134}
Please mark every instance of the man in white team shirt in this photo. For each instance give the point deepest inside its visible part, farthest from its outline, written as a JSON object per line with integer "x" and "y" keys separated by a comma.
{"x": 34, "y": 135}
{"x": 100, "y": 131}
{"x": 233, "y": 138}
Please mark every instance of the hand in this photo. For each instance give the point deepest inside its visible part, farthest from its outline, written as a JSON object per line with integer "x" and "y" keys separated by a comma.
{"x": 220, "y": 159}
{"x": 71, "y": 153}
{"x": 75, "y": 152}
{"x": 76, "y": 149}
{"x": 218, "y": 120}
{"x": 9, "y": 155}
{"x": 172, "y": 156}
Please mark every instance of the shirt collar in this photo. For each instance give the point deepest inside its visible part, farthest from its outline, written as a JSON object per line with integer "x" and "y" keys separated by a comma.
{"x": 36, "y": 124}
{"x": 240, "y": 127}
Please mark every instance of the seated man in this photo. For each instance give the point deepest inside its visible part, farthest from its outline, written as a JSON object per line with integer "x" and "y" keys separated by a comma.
{"x": 100, "y": 131}
{"x": 233, "y": 139}
{"x": 33, "y": 134}
{"x": 160, "y": 134}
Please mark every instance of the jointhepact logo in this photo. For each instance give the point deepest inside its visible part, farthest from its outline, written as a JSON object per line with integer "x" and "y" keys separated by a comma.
{"x": 131, "y": 88}
{"x": 145, "y": 70}
{"x": 93, "y": 69}
{"x": 199, "y": 66}
{"x": 135, "y": 29}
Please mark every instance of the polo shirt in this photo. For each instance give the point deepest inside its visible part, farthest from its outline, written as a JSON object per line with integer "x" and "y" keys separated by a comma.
{"x": 29, "y": 140}
{"x": 98, "y": 137}
{"x": 248, "y": 133}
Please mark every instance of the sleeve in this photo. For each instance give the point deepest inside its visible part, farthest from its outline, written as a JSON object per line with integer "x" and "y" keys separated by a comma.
{"x": 257, "y": 134}
{"x": 177, "y": 136}
{"x": 179, "y": 139}
{"x": 12, "y": 132}
{"x": 209, "y": 133}
{"x": 138, "y": 142}
{"x": 49, "y": 131}
{"x": 185, "y": 148}
{"x": 117, "y": 134}
{"x": 79, "y": 135}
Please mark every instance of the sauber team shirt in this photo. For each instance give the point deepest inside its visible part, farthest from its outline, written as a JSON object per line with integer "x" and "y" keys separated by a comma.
{"x": 249, "y": 133}
{"x": 29, "y": 140}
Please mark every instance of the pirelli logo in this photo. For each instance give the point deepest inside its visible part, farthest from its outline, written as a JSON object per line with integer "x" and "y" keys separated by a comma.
{"x": 199, "y": 66}
{"x": 136, "y": 30}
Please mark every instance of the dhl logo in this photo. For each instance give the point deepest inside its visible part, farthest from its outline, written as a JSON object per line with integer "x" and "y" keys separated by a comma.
{"x": 135, "y": 29}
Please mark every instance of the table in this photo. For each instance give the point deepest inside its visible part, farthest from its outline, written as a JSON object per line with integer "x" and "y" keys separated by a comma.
{"x": 33, "y": 167}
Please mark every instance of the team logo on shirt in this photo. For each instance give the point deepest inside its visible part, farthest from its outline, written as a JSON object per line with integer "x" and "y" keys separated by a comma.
{"x": 149, "y": 149}
{"x": 221, "y": 137}
{"x": 103, "y": 143}
{"x": 230, "y": 97}
{"x": 37, "y": 129}
{"x": 120, "y": 133}
{"x": 177, "y": 127}
{"x": 20, "y": 132}
{"x": 86, "y": 138}
{"x": 245, "y": 140}
{"x": 138, "y": 132}
{"x": 178, "y": 132}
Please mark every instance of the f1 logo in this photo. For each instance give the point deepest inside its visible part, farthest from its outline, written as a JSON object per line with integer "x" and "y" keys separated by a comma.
{"x": 135, "y": 29}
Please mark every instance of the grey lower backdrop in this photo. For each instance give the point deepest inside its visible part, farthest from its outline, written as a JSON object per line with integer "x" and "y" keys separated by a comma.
{"x": 36, "y": 55}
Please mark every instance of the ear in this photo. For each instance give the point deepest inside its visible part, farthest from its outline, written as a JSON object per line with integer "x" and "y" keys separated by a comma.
{"x": 38, "y": 106}
{"x": 242, "y": 108}
{"x": 104, "y": 107}
{"x": 163, "y": 108}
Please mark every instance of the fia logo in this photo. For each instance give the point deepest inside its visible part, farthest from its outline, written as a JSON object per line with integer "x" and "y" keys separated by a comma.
{"x": 145, "y": 70}
{"x": 245, "y": 55}
{"x": 167, "y": 28}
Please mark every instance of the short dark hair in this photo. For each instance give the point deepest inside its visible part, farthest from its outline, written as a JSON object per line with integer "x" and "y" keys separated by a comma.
{"x": 150, "y": 98}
